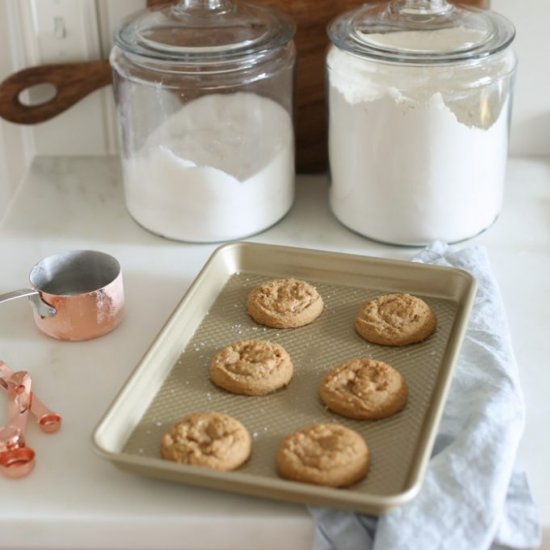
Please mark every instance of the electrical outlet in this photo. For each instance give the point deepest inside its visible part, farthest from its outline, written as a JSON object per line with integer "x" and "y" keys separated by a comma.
{"x": 64, "y": 31}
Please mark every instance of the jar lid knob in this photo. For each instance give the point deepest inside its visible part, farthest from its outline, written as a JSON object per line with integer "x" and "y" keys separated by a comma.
{"x": 420, "y": 6}
{"x": 197, "y": 6}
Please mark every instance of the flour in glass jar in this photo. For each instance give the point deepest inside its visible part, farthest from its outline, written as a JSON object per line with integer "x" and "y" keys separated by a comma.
{"x": 412, "y": 160}
{"x": 220, "y": 168}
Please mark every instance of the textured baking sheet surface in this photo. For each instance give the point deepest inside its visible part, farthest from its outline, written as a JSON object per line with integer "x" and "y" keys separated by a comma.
{"x": 397, "y": 444}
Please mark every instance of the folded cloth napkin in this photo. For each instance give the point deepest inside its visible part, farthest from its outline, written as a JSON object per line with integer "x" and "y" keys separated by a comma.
{"x": 472, "y": 498}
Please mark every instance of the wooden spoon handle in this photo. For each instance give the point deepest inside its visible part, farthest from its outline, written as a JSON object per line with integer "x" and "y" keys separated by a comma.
{"x": 72, "y": 82}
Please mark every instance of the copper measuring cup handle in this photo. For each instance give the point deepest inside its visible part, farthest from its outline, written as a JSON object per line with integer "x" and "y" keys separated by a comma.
{"x": 43, "y": 309}
{"x": 72, "y": 82}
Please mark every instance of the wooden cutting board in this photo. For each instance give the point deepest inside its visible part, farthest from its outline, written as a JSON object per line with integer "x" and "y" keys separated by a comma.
{"x": 76, "y": 80}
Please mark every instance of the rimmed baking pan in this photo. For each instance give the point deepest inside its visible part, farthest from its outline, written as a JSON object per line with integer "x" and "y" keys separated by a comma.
{"x": 171, "y": 380}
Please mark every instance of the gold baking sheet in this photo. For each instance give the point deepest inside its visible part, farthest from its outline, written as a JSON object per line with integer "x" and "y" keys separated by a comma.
{"x": 172, "y": 379}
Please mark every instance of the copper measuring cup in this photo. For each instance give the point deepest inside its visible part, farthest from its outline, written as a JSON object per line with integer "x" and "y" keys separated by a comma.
{"x": 76, "y": 295}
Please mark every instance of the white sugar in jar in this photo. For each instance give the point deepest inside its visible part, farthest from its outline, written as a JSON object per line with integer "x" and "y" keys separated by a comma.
{"x": 195, "y": 179}
{"x": 419, "y": 120}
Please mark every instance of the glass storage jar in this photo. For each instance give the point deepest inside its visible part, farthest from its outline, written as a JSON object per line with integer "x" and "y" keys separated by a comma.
{"x": 203, "y": 90}
{"x": 420, "y": 95}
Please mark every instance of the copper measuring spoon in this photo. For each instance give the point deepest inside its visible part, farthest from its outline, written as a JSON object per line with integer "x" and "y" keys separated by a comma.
{"x": 48, "y": 420}
{"x": 16, "y": 459}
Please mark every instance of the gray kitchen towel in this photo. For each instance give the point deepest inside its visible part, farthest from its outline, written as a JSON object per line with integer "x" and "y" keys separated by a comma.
{"x": 472, "y": 497}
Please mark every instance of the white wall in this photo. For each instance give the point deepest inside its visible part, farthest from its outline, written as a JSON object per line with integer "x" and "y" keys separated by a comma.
{"x": 89, "y": 127}
{"x": 531, "y": 115}
{"x": 15, "y": 142}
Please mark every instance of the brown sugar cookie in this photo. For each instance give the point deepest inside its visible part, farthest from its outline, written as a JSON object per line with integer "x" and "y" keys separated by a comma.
{"x": 395, "y": 320}
{"x": 251, "y": 367}
{"x": 284, "y": 303}
{"x": 209, "y": 439}
{"x": 324, "y": 454}
{"x": 364, "y": 389}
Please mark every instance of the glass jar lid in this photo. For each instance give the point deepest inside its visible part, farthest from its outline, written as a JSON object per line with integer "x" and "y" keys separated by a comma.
{"x": 421, "y": 31}
{"x": 203, "y": 31}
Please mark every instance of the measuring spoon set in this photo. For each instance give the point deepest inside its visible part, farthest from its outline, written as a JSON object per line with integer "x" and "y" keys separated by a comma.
{"x": 17, "y": 459}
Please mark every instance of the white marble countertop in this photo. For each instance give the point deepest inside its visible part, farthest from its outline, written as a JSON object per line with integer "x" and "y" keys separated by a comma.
{"x": 76, "y": 499}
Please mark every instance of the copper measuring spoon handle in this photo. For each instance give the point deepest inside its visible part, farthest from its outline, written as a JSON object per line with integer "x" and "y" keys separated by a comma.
{"x": 19, "y": 402}
{"x": 72, "y": 82}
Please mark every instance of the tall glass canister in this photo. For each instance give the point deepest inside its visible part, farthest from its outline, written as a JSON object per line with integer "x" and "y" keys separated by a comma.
{"x": 420, "y": 95}
{"x": 204, "y": 98}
